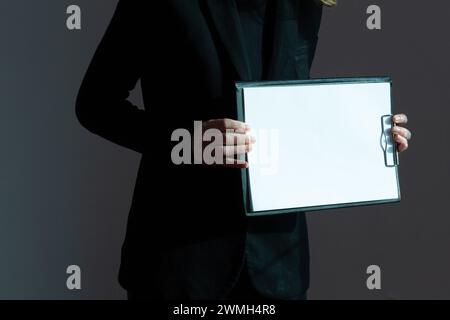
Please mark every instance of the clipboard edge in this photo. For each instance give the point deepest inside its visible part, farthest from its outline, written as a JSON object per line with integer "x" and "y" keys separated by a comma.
{"x": 338, "y": 80}
{"x": 323, "y": 208}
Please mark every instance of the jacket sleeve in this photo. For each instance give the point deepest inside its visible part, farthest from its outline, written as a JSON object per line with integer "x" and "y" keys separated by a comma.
{"x": 102, "y": 104}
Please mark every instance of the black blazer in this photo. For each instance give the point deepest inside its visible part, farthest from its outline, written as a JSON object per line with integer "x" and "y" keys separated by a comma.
{"x": 187, "y": 234}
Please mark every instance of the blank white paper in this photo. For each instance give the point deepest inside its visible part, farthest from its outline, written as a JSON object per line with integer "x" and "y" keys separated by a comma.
{"x": 318, "y": 145}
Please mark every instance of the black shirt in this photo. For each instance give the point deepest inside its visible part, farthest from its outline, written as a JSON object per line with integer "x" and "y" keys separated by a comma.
{"x": 253, "y": 19}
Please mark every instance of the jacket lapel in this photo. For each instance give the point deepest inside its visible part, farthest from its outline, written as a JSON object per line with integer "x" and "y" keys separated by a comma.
{"x": 226, "y": 20}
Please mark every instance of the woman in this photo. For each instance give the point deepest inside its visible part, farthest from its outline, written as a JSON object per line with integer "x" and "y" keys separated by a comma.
{"x": 187, "y": 234}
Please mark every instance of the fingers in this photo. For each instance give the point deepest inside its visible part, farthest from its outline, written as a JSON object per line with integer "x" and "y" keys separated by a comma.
{"x": 402, "y": 142}
{"x": 405, "y": 133}
{"x": 400, "y": 134}
{"x": 238, "y": 139}
{"x": 230, "y": 151}
{"x": 236, "y": 150}
{"x": 400, "y": 119}
{"x": 225, "y": 125}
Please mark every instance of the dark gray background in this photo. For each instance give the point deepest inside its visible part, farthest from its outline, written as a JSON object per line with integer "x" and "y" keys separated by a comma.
{"x": 65, "y": 193}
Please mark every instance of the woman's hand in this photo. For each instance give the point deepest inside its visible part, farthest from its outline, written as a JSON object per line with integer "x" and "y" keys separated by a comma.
{"x": 236, "y": 140}
{"x": 400, "y": 134}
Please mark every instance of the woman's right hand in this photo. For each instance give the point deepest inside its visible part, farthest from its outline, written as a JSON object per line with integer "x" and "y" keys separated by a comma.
{"x": 236, "y": 140}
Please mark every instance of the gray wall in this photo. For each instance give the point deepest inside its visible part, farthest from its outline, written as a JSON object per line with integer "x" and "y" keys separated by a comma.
{"x": 65, "y": 194}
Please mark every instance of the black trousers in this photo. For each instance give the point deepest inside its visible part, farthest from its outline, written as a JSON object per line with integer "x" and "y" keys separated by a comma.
{"x": 242, "y": 290}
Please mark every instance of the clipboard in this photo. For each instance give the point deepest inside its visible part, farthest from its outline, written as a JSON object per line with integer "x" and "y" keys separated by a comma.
{"x": 331, "y": 140}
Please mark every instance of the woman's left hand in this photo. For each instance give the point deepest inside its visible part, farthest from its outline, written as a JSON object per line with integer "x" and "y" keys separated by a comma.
{"x": 400, "y": 134}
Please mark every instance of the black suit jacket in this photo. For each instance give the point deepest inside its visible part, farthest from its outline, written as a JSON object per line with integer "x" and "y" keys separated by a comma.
{"x": 187, "y": 234}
